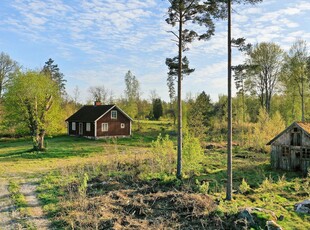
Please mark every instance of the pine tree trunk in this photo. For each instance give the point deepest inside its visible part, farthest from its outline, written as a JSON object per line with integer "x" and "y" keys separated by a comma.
{"x": 302, "y": 101}
{"x": 229, "y": 134}
{"x": 179, "y": 156}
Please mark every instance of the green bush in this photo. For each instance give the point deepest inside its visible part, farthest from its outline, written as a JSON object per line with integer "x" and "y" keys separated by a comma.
{"x": 192, "y": 155}
{"x": 163, "y": 155}
{"x": 244, "y": 187}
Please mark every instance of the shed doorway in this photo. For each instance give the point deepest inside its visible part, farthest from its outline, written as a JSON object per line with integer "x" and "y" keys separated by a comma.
{"x": 295, "y": 159}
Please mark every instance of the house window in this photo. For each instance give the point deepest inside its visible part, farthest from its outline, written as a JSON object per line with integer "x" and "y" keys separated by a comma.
{"x": 87, "y": 127}
{"x": 73, "y": 126}
{"x": 104, "y": 127}
{"x": 305, "y": 153}
{"x": 122, "y": 125}
{"x": 285, "y": 151}
{"x": 113, "y": 114}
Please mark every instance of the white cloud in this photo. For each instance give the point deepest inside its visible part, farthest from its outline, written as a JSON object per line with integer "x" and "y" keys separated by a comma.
{"x": 113, "y": 36}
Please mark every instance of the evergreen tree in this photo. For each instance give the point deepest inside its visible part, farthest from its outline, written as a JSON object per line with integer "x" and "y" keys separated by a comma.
{"x": 157, "y": 108}
{"x": 52, "y": 70}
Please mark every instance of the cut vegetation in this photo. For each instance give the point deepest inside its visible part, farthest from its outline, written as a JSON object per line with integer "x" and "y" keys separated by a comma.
{"x": 124, "y": 184}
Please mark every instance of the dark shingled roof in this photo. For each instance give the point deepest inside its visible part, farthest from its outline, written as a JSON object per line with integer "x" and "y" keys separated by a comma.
{"x": 90, "y": 113}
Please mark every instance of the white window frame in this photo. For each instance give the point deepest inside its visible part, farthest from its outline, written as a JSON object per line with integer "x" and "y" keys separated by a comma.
{"x": 73, "y": 126}
{"x": 122, "y": 125}
{"x": 88, "y": 127}
{"x": 105, "y": 127}
{"x": 113, "y": 112}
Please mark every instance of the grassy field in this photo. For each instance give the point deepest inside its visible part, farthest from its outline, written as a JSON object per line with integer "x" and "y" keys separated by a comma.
{"x": 113, "y": 184}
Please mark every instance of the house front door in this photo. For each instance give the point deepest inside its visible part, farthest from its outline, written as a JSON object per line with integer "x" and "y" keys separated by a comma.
{"x": 80, "y": 128}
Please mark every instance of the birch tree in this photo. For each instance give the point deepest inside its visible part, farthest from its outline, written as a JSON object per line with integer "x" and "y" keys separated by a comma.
{"x": 296, "y": 72}
{"x": 7, "y": 67}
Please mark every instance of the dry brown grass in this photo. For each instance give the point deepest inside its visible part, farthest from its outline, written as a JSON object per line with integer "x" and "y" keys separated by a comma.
{"x": 138, "y": 205}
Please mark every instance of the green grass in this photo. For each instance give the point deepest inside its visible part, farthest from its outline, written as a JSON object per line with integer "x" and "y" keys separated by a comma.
{"x": 18, "y": 198}
{"x": 63, "y": 165}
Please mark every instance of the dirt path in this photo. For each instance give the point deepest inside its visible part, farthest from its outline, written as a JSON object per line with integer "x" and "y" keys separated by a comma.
{"x": 35, "y": 211}
{"x": 5, "y": 206}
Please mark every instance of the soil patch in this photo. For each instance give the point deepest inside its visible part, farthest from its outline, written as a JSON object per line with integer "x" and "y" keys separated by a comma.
{"x": 6, "y": 206}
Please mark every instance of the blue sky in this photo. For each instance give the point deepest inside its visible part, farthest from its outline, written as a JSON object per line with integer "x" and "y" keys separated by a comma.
{"x": 95, "y": 42}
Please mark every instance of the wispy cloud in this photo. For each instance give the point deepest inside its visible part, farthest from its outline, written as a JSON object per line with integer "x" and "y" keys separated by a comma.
{"x": 102, "y": 39}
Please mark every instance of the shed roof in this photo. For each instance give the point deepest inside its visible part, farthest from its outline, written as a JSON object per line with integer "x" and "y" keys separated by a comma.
{"x": 90, "y": 113}
{"x": 303, "y": 125}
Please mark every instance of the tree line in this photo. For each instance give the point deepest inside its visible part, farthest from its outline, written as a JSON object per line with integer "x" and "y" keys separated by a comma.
{"x": 272, "y": 87}
{"x": 269, "y": 78}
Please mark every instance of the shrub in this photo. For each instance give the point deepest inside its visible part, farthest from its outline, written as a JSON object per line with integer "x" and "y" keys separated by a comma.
{"x": 266, "y": 128}
{"x": 202, "y": 187}
{"x": 192, "y": 155}
{"x": 244, "y": 187}
{"x": 163, "y": 155}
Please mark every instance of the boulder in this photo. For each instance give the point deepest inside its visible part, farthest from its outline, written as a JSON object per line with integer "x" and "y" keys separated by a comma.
{"x": 246, "y": 215}
{"x": 303, "y": 207}
{"x": 271, "y": 225}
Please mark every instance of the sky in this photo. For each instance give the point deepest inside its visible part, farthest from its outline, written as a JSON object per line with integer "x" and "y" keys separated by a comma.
{"x": 96, "y": 42}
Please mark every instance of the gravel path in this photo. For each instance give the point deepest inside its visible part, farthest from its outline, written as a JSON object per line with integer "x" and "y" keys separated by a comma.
{"x": 6, "y": 206}
{"x": 8, "y": 214}
{"x": 35, "y": 211}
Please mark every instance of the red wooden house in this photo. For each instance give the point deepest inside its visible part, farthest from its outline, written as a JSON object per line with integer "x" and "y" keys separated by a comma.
{"x": 97, "y": 121}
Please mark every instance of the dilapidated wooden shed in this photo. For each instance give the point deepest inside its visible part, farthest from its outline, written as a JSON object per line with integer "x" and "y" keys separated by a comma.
{"x": 290, "y": 150}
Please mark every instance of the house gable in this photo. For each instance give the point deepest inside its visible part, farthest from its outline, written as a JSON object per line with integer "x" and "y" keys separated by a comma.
{"x": 108, "y": 125}
{"x": 285, "y": 136}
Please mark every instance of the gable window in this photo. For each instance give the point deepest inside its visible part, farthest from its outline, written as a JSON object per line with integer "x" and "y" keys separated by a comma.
{"x": 296, "y": 137}
{"x": 73, "y": 126}
{"x": 114, "y": 114}
{"x": 122, "y": 125}
{"x": 104, "y": 127}
{"x": 87, "y": 127}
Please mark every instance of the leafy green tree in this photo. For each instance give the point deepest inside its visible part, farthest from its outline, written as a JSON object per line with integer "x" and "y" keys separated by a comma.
{"x": 33, "y": 99}
{"x": 52, "y": 70}
{"x": 132, "y": 94}
{"x": 7, "y": 67}
{"x": 132, "y": 91}
{"x": 296, "y": 72}
{"x": 265, "y": 64}
{"x": 157, "y": 108}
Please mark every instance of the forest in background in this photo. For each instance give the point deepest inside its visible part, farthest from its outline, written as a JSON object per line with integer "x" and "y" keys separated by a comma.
{"x": 273, "y": 90}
